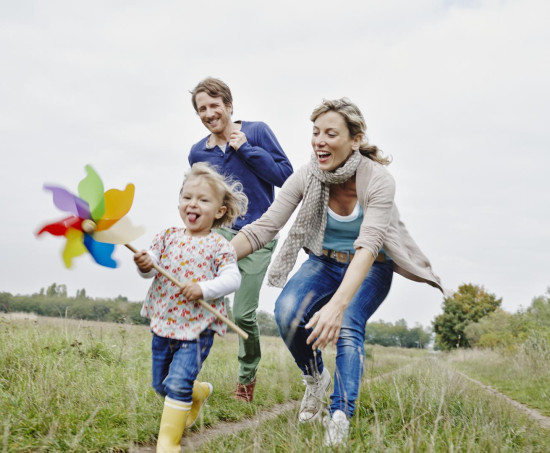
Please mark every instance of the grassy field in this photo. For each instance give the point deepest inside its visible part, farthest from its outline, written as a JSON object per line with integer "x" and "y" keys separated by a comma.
{"x": 523, "y": 375}
{"x": 76, "y": 386}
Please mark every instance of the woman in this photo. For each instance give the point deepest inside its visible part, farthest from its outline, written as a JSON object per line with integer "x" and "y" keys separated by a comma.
{"x": 350, "y": 226}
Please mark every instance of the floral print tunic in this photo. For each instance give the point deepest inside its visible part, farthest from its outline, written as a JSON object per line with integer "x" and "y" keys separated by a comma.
{"x": 195, "y": 258}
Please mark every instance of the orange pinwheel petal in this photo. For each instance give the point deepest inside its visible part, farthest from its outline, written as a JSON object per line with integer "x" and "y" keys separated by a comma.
{"x": 117, "y": 205}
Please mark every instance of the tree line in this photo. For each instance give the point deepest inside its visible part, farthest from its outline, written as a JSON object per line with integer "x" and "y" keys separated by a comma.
{"x": 53, "y": 301}
{"x": 473, "y": 317}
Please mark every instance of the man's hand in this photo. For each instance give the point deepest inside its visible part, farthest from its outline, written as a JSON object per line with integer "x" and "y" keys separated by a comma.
{"x": 237, "y": 139}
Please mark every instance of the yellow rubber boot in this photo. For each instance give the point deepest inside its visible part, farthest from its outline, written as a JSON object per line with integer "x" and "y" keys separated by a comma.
{"x": 172, "y": 424}
{"x": 201, "y": 393}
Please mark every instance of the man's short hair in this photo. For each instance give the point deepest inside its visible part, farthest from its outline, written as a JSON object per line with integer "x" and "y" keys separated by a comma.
{"x": 213, "y": 88}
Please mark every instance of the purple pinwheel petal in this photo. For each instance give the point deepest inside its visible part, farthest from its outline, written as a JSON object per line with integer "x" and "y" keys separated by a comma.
{"x": 100, "y": 251}
{"x": 66, "y": 201}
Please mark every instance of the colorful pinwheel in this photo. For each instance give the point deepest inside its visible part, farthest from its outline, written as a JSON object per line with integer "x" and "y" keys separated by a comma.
{"x": 97, "y": 221}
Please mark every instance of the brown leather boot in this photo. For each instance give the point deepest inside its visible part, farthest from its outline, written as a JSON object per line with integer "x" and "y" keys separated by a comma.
{"x": 245, "y": 392}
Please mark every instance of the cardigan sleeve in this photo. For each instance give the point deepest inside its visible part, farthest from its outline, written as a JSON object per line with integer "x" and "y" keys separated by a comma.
{"x": 275, "y": 218}
{"x": 376, "y": 193}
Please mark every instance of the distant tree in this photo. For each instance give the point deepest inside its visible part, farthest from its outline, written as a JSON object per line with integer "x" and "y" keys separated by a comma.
{"x": 469, "y": 304}
{"x": 267, "y": 323}
{"x": 398, "y": 334}
{"x": 52, "y": 290}
{"x": 55, "y": 290}
{"x": 539, "y": 311}
{"x": 81, "y": 293}
{"x": 497, "y": 329}
{"x": 5, "y": 302}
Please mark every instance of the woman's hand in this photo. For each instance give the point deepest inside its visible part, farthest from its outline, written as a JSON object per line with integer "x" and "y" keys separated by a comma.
{"x": 143, "y": 261}
{"x": 327, "y": 322}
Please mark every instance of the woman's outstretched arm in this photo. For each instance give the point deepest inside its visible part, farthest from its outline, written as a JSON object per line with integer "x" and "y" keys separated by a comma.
{"x": 242, "y": 246}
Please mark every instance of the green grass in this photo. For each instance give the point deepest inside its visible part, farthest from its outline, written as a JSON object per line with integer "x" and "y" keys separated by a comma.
{"x": 84, "y": 386}
{"x": 521, "y": 375}
{"x": 421, "y": 409}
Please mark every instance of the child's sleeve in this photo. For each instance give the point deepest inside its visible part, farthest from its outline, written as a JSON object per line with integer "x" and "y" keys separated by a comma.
{"x": 228, "y": 278}
{"x": 227, "y": 282}
{"x": 157, "y": 247}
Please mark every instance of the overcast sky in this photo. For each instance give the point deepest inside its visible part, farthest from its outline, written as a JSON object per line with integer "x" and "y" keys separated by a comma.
{"x": 457, "y": 92}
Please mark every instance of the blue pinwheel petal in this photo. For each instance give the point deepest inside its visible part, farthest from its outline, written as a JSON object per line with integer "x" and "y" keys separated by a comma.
{"x": 66, "y": 201}
{"x": 101, "y": 252}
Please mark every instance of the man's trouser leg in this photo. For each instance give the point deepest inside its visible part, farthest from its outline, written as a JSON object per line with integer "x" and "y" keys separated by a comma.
{"x": 245, "y": 303}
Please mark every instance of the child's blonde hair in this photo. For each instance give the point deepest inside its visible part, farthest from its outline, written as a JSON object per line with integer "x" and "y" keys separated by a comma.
{"x": 231, "y": 192}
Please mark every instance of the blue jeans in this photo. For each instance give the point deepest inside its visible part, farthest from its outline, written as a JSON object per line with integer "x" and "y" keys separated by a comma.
{"x": 176, "y": 364}
{"x": 304, "y": 294}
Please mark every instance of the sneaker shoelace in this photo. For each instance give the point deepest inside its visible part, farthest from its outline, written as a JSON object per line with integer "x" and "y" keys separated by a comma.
{"x": 312, "y": 388}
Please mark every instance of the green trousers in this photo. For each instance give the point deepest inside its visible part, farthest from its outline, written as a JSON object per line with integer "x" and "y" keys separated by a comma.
{"x": 245, "y": 304}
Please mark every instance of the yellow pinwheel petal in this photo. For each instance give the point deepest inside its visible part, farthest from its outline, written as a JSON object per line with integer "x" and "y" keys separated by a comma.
{"x": 122, "y": 232}
{"x": 74, "y": 246}
{"x": 117, "y": 205}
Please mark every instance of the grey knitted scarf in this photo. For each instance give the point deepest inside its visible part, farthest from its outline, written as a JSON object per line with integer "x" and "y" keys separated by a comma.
{"x": 309, "y": 227}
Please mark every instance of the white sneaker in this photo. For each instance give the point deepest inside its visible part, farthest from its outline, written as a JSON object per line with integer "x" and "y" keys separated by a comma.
{"x": 313, "y": 401}
{"x": 336, "y": 429}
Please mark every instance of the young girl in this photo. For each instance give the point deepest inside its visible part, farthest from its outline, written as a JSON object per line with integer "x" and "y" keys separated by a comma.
{"x": 183, "y": 331}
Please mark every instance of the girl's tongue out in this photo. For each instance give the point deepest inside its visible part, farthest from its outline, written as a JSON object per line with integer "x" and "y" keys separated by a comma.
{"x": 192, "y": 217}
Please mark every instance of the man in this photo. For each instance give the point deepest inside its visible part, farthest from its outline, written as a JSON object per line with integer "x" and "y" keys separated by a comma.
{"x": 250, "y": 153}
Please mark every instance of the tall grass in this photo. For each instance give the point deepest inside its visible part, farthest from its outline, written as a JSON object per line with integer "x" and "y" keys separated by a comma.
{"x": 84, "y": 386}
{"x": 522, "y": 373}
{"x": 422, "y": 409}
{"x": 68, "y": 386}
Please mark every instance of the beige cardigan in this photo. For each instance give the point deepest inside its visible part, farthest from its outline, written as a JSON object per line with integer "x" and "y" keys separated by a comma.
{"x": 381, "y": 225}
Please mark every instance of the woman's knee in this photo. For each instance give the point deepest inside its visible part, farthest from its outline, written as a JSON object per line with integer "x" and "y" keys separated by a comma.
{"x": 350, "y": 338}
{"x": 286, "y": 315}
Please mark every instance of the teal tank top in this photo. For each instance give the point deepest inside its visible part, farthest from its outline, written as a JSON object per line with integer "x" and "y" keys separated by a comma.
{"x": 342, "y": 231}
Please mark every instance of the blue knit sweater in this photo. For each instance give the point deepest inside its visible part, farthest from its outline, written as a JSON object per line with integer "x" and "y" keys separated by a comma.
{"x": 260, "y": 164}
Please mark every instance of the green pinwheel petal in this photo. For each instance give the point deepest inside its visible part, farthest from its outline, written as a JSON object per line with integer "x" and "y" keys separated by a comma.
{"x": 90, "y": 189}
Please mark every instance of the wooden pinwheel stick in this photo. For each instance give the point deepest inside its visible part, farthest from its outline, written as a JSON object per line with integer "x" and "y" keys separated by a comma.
{"x": 212, "y": 310}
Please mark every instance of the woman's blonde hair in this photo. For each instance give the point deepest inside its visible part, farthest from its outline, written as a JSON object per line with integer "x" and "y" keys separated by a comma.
{"x": 231, "y": 192}
{"x": 355, "y": 123}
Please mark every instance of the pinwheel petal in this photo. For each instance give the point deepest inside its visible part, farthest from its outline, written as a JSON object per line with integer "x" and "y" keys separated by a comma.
{"x": 60, "y": 228}
{"x": 100, "y": 251}
{"x": 74, "y": 246}
{"x": 66, "y": 201}
{"x": 117, "y": 205}
{"x": 122, "y": 232}
{"x": 91, "y": 190}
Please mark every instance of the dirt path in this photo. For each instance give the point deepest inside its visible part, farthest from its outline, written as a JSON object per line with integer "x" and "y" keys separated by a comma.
{"x": 192, "y": 441}
{"x": 543, "y": 420}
